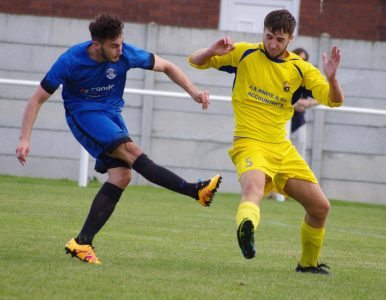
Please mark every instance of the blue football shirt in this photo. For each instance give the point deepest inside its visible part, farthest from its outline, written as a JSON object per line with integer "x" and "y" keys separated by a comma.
{"x": 90, "y": 85}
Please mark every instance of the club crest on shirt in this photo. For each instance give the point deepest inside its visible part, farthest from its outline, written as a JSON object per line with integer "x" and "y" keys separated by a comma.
{"x": 286, "y": 86}
{"x": 111, "y": 73}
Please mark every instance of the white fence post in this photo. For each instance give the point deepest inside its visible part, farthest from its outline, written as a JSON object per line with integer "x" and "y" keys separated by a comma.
{"x": 147, "y": 101}
{"x": 317, "y": 143}
{"x": 83, "y": 167}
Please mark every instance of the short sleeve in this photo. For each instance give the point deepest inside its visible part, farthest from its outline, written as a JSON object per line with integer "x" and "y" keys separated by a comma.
{"x": 231, "y": 59}
{"x": 318, "y": 85}
{"x": 138, "y": 58}
{"x": 56, "y": 76}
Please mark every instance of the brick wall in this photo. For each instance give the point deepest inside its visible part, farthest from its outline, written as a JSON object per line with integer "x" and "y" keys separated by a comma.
{"x": 345, "y": 19}
{"x": 183, "y": 13}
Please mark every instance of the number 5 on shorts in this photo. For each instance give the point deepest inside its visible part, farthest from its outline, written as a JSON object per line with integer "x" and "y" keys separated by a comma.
{"x": 248, "y": 162}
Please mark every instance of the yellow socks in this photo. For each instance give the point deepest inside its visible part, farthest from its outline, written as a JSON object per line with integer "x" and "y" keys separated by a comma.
{"x": 312, "y": 238}
{"x": 312, "y": 241}
{"x": 248, "y": 210}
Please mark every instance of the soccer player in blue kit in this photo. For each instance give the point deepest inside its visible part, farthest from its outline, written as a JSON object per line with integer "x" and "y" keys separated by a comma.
{"x": 93, "y": 76}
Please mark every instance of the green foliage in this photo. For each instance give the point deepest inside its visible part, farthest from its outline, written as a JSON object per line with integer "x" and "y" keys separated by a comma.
{"x": 160, "y": 245}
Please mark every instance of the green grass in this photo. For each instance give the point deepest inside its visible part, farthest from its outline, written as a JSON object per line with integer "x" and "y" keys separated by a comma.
{"x": 160, "y": 245}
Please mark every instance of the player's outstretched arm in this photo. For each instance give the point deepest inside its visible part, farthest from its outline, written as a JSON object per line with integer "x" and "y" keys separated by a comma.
{"x": 330, "y": 67}
{"x": 220, "y": 47}
{"x": 179, "y": 77}
{"x": 30, "y": 113}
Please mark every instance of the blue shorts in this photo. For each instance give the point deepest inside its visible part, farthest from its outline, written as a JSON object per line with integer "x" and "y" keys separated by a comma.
{"x": 100, "y": 132}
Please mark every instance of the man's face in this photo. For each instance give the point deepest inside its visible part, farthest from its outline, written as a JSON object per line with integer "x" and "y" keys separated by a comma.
{"x": 275, "y": 43}
{"x": 111, "y": 50}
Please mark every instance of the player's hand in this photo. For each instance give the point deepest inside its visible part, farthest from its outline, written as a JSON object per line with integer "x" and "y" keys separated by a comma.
{"x": 22, "y": 152}
{"x": 299, "y": 107}
{"x": 201, "y": 97}
{"x": 223, "y": 46}
{"x": 331, "y": 64}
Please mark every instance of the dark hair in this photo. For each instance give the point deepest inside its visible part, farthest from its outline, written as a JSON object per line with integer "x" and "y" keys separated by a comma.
{"x": 298, "y": 51}
{"x": 280, "y": 20}
{"x": 106, "y": 26}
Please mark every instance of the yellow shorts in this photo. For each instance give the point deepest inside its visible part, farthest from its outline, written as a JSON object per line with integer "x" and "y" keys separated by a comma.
{"x": 279, "y": 162}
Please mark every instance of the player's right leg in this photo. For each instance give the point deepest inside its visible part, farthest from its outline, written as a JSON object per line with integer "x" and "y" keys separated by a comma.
{"x": 101, "y": 209}
{"x": 248, "y": 214}
{"x": 96, "y": 131}
{"x": 252, "y": 160}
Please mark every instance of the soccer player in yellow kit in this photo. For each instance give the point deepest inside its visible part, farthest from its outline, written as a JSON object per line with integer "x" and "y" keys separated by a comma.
{"x": 268, "y": 78}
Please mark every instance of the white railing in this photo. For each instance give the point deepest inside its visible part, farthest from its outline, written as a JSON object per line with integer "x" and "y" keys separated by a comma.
{"x": 349, "y": 109}
{"x": 84, "y": 157}
{"x": 318, "y": 128}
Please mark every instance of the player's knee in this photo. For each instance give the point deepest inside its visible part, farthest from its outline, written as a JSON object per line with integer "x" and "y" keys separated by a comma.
{"x": 128, "y": 152}
{"x": 325, "y": 208}
{"x": 322, "y": 209}
{"x": 121, "y": 178}
{"x": 252, "y": 191}
{"x": 132, "y": 149}
{"x": 125, "y": 178}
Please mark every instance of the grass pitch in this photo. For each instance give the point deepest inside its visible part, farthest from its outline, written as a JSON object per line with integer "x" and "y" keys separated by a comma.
{"x": 160, "y": 245}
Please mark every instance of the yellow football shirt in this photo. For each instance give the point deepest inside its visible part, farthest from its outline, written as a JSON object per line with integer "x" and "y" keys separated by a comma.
{"x": 264, "y": 89}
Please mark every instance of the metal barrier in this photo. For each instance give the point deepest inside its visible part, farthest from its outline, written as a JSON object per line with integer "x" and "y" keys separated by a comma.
{"x": 84, "y": 157}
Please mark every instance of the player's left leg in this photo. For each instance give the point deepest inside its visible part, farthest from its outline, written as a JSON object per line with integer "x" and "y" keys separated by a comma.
{"x": 316, "y": 204}
{"x": 202, "y": 191}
